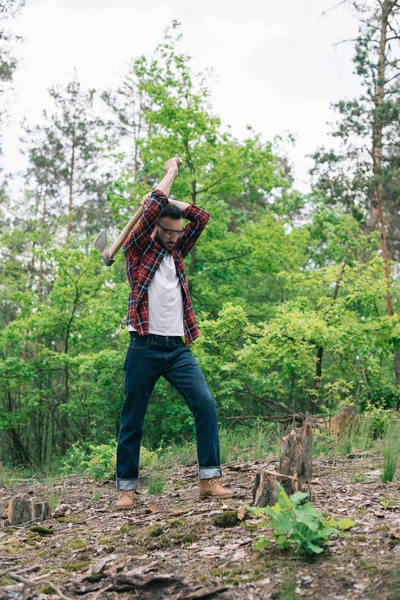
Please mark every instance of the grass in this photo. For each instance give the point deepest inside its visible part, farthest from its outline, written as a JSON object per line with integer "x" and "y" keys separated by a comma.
{"x": 391, "y": 448}
{"x": 156, "y": 485}
{"x": 248, "y": 444}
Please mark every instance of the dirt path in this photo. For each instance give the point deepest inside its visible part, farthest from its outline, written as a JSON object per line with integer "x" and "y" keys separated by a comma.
{"x": 169, "y": 546}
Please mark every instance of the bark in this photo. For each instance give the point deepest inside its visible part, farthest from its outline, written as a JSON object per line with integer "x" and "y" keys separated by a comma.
{"x": 295, "y": 468}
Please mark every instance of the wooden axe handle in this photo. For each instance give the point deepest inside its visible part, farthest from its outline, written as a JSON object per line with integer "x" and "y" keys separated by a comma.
{"x": 119, "y": 242}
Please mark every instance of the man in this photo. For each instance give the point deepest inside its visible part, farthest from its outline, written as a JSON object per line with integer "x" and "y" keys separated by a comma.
{"x": 159, "y": 313}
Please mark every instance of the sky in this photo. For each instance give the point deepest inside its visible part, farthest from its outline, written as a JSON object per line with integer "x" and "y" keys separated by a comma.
{"x": 277, "y": 66}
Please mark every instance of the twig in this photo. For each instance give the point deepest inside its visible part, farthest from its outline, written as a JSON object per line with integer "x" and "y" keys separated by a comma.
{"x": 100, "y": 592}
{"x": 59, "y": 592}
{"x": 18, "y": 578}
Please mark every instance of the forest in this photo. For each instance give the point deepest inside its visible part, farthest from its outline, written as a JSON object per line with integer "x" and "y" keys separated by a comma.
{"x": 296, "y": 294}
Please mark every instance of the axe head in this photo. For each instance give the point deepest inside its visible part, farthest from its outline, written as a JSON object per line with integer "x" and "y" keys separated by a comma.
{"x": 101, "y": 245}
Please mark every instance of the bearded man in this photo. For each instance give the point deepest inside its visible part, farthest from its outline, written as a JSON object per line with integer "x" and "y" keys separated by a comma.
{"x": 160, "y": 314}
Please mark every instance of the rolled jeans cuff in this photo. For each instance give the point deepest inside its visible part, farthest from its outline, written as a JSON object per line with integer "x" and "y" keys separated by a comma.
{"x": 209, "y": 472}
{"x": 126, "y": 484}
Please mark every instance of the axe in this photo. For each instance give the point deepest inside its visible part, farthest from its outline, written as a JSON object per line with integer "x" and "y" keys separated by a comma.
{"x": 108, "y": 253}
{"x": 101, "y": 240}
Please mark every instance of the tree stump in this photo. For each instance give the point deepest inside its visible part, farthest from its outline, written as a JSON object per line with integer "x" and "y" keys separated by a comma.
{"x": 295, "y": 468}
{"x": 22, "y": 510}
{"x": 296, "y": 457}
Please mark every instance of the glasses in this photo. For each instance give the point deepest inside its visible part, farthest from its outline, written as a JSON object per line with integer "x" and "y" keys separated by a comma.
{"x": 170, "y": 233}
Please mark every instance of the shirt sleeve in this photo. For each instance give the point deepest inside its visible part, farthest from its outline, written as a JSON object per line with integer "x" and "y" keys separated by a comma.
{"x": 198, "y": 220}
{"x": 140, "y": 236}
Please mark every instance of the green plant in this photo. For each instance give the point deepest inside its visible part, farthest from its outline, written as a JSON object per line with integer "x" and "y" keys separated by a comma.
{"x": 73, "y": 461}
{"x": 358, "y": 477}
{"x": 391, "y": 448}
{"x": 299, "y": 526}
{"x": 344, "y": 445}
{"x": 102, "y": 461}
{"x": 377, "y": 417}
{"x": 156, "y": 485}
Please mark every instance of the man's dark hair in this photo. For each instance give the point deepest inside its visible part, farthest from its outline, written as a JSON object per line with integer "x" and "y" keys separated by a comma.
{"x": 172, "y": 211}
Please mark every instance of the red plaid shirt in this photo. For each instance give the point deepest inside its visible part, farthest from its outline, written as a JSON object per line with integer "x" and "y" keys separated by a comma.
{"x": 143, "y": 256}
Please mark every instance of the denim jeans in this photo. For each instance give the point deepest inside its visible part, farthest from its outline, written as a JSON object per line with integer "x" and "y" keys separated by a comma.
{"x": 148, "y": 358}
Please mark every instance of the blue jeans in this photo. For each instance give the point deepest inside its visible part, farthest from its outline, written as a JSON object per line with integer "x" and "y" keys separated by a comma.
{"x": 148, "y": 358}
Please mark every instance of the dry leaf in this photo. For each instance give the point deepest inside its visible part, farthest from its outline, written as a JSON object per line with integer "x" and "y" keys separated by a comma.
{"x": 242, "y": 512}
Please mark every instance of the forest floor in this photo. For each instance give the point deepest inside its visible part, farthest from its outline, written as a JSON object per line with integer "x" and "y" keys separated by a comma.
{"x": 169, "y": 547}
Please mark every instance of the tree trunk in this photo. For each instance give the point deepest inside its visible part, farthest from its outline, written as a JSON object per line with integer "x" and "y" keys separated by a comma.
{"x": 377, "y": 212}
{"x": 71, "y": 188}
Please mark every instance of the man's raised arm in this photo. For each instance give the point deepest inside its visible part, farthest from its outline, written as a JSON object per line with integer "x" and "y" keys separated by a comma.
{"x": 153, "y": 205}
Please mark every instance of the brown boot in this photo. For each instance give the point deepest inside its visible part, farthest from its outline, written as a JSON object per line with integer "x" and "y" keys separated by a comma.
{"x": 126, "y": 499}
{"x": 210, "y": 488}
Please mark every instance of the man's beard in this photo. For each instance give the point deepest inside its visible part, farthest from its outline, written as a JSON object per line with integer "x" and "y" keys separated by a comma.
{"x": 159, "y": 241}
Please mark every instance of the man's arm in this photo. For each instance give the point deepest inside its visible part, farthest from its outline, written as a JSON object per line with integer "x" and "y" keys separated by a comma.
{"x": 198, "y": 220}
{"x": 153, "y": 205}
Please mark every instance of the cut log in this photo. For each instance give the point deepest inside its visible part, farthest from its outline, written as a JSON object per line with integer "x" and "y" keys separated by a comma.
{"x": 295, "y": 469}
{"x": 22, "y": 510}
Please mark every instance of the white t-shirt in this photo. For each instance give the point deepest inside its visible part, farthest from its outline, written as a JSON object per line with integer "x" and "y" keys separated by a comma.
{"x": 165, "y": 300}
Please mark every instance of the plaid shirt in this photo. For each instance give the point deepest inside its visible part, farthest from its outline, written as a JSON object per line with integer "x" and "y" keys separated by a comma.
{"x": 143, "y": 256}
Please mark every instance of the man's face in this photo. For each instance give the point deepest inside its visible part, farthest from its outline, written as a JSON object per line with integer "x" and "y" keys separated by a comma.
{"x": 168, "y": 232}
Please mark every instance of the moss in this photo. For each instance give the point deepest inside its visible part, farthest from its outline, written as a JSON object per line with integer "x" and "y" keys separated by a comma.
{"x": 41, "y": 530}
{"x": 6, "y": 581}
{"x": 126, "y": 528}
{"x": 76, "y": 544}
{"x": 156, "y": 531}
{"x": 228, "y": 518}
{"x": 95, "y": 577}
{"x": 70, "y": 567}
{"x": 47, "y": 589}
{"x": 75, "y": 519}
{"x": 249, "y": 526}
{"x": 176, "y": 523}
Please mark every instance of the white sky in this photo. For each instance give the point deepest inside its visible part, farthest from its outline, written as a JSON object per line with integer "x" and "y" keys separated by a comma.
{"x": 275, "y": 64}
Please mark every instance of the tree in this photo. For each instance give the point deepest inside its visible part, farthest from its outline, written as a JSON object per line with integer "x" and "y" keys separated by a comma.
{"x": 368, "y": 130}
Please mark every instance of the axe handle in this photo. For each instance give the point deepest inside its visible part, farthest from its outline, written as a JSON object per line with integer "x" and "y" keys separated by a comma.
{"x": 119, "y": 242}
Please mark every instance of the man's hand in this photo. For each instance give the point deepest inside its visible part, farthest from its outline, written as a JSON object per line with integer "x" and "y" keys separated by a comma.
{"x": 173, "y": 164}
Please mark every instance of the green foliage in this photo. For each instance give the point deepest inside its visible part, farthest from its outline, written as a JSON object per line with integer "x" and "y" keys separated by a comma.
{"x": 156, "y": 484}
{"x": 102, "y": 461}
{"x": 262, "y": 281}
{"x": 391, "y": 452}
{"x": 299, "y": 526}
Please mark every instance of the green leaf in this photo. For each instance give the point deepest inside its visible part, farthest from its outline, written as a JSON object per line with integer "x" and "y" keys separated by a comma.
{"x": 345, "y": 524}
{"x": 313, "y": 548}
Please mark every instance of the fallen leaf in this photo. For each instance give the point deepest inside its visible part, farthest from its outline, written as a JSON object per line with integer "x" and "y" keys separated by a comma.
{"x": 242, "y": 512}
{"x": 395, "y": 534}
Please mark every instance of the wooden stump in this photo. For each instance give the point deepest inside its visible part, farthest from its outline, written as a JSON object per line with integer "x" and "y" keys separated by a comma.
{"x": 296, "y": 457}
{"x": 295, "y": 468}
{"x": 22, "y": 510}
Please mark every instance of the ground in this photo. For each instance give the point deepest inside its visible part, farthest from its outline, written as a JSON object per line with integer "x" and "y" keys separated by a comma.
{"x": 170, "y": 547}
